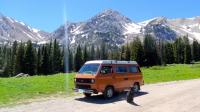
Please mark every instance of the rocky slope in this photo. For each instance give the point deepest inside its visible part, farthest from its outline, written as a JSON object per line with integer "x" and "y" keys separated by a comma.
{"x": 11, "y": 30}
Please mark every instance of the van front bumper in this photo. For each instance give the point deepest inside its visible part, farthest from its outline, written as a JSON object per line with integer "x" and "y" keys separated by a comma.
{"x": 84, "y": 90}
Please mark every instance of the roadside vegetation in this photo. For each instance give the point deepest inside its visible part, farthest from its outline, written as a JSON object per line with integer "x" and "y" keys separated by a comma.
{"x": 14, "y": 90}
{"x": 171, "y": 72}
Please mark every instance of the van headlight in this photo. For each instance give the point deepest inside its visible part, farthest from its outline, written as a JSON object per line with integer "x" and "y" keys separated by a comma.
{"x": 92, "y": 81}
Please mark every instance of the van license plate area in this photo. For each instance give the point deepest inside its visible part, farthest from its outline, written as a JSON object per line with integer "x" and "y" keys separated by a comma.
{"x": 81, "y": 90}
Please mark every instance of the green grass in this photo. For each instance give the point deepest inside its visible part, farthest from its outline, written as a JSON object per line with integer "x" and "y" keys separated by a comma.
{"x": 14, "y": 90}
{"x": 171, "y": 72}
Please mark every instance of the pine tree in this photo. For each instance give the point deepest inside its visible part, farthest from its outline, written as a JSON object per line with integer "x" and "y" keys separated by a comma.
{"x": 7, "y": 72}
{"x": 13, "y": 57}
{"x": 70, "y": 61}
{"x": 127, "y": 53}
{"x": 45, "y": 60}
{"x": 137, "y": 51}
{"x": 19, "y": 62}
{"x": 78, "y": 59}
{"x": 122, "y": 53}
{"x": 85, "y": 54}
{"x": 98, "y": 54}
{"x": 151, "y": 57}
{"x": 92, "y": 53}
{"x": 179, "y": 50}
{"x": 4, "y": 58}
{"x": 30, "y": 59}
{"x": 50, "y": 61}
{"x": 116, "y": 54}
{"x": 1, "y": 59}
{"x": 39, "y": 61}
{"x": 103, "y": 51}
{"x": 187, "y": 50}
{"x": 161, "y": 52}
{"x": 169, "y": 53}
{"x": 195, "y": 50}
{"x": 56, "y": 57}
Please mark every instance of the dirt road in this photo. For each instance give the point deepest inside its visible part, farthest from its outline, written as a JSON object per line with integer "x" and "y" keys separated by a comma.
{"x": 181, "y": 96}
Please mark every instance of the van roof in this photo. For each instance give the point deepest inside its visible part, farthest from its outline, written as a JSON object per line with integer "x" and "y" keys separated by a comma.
{"x": 111, "y": 62}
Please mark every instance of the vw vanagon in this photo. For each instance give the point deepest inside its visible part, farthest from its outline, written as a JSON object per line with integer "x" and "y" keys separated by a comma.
{"x": 108, "y": 77}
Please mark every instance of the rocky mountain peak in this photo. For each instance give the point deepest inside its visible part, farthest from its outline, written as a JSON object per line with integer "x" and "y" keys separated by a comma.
{"x": 111, "y": 15}
{"x": 110, "y": 12}
{"x": 159, "y": 20}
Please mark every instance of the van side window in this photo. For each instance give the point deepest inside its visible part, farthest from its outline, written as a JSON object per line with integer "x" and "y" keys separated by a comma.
{"x": 133, "y": 69}
{"x": 121, "y": 69}
{"x": 106, "y": 69}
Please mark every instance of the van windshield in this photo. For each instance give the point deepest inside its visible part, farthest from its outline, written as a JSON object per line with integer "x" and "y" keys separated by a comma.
{"x": 89, "y": 69}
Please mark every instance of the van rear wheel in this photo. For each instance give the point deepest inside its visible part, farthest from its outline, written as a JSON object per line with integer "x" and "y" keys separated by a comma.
{"x": 87, "y": 94}
{"x": 108, "y": 92}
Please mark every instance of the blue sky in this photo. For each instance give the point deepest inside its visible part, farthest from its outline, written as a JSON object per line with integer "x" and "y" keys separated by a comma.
{"x": 49, "y": 14}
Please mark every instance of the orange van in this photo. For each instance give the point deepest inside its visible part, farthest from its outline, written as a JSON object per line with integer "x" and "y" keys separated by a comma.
{"x": 108, "y": 77}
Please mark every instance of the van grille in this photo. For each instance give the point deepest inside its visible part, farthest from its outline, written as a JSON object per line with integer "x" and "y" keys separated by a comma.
{"x": 80, "y": 80}
{"x": 83, "y": 86}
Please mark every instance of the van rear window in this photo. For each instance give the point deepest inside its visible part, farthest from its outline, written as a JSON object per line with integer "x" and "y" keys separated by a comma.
{"x": 121, "y": 69}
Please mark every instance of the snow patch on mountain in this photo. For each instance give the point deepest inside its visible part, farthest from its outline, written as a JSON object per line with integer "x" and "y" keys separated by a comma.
{"x": 76, "y": 30}
{"x": 22, "y": 23}
{"x": 144, "y": 23}
{"x": 132, "y": 28}
{"x": 73, "y": 40}
{"x": 35, "y": 30}
{"x": 10, "y": 19}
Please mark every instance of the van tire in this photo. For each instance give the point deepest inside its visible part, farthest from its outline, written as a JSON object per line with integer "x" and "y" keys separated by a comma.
{"x": 136, "y": 87}
{"x": 87, "y": 94}
{"x": 108, "y": 92}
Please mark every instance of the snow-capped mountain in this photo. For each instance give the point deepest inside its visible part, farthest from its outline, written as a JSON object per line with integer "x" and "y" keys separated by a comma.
{"x": 108, "y": 26}
{"x": 187, "y": 26}
{"x": 170, "y": 29}
{"x": 11, "y": 30}
{"x": 112, "y": 27}
{"x": 160, "y": 28}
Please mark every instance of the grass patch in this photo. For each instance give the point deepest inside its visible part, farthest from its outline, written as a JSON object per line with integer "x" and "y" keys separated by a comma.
{"x": 18, "y": 89}
{"x": 171, "y": 72}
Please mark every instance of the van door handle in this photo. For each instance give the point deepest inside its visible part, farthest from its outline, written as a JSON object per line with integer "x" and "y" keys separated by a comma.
{"x": 125, "y": 78}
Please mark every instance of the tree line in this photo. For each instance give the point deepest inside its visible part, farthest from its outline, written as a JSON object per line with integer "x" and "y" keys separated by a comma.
{"x": 30, "y": 59}
{"x": 51, "y": 58}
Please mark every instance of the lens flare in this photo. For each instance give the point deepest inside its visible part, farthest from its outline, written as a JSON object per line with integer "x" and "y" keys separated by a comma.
{"x": 66, "y": 50}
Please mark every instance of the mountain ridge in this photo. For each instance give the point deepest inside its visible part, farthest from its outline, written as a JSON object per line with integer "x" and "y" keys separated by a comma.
{"x": 13, "y": 30}
{"x": 107, "y": 26}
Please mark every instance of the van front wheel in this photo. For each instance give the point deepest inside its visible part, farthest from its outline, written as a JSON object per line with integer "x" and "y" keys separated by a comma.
{"x": 108, "y": 92}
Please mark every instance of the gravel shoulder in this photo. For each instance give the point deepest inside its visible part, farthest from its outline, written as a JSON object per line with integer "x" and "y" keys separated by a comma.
{"x": 177, "y": 96}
